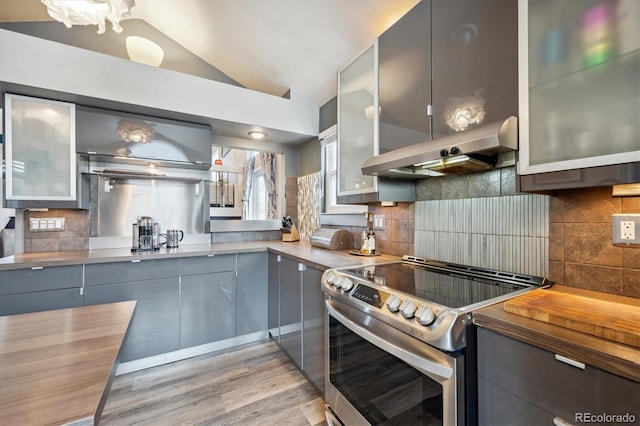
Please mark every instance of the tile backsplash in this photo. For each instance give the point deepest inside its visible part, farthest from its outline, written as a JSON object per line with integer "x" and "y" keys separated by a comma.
{"x": 509, "y": 233}
{"x": 74, "y": 237}
{"x": 581, "y": 253}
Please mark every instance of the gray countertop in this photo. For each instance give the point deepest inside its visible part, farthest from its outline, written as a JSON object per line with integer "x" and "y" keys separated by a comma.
{"x": 316, "y": 257}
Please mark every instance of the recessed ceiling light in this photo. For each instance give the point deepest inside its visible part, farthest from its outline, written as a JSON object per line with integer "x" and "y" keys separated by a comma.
{"x": 257, "y": 135}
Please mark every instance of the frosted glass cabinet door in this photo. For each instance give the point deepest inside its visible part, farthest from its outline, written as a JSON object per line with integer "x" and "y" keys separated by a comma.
{"x": 40, "y": 149}
{"x": 580, "y": 84}
{"x": 357, "y": 123}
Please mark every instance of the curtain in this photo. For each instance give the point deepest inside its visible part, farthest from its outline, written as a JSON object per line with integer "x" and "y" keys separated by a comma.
{"x": 309, "y": 191}
{"x": 268, "y": 161}
{"x": 248, "y": 184}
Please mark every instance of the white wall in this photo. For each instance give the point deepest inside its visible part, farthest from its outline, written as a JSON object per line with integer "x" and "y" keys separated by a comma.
{"x": 34, "y": 62}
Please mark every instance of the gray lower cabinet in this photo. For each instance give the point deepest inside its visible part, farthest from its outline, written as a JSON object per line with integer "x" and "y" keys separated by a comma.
{"x": 208, "y": 299}
{"x": 290, "y": 309}
{"x": 208, "y": 311}
{"x": 252, "y": 292}
{"x": 313, "y": 340}
{"x": 273, "y": 298}
{"x": 40, "y": 289}
{"x": 296, "y": 315}
{"x": 156, "y": 287}
{"x": 522, "y": 384}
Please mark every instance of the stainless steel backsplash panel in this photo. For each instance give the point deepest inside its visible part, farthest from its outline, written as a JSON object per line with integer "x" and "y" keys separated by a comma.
{"x": 117, "y": 202}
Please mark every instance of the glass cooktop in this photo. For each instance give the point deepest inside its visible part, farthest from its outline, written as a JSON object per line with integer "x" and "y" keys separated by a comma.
{"x": 445, "y": 288}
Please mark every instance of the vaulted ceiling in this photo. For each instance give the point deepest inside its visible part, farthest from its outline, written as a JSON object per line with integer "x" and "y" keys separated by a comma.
{"x": 265, "y": 45}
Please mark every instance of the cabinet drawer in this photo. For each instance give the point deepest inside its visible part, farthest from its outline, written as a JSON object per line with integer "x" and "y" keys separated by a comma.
{"x": 38, "y": 301}
{"x": 40, "y": 279}
{"x": 496, "y": 406}
{"x": 208, "y": 264}
{"x": 139, "y": 269}
{"x": 534, "y": 374}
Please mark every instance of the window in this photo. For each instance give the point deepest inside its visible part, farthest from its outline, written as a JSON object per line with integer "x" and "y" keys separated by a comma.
{"x": 257, "y": 201}
{"x": 330, "y": 172}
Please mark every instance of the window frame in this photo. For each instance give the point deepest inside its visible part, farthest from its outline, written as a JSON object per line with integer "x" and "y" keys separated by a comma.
{"x": 329, "y": 146}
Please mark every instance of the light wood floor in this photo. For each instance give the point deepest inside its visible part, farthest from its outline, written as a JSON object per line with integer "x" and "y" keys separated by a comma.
{"x": 254, "y": 384}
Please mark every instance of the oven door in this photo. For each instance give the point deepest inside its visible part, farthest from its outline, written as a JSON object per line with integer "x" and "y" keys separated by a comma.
{"x": 377, "y": 375}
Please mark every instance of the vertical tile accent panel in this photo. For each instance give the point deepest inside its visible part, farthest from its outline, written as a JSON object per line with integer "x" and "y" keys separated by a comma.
{"x": 509, "y": 233}
{"x": 309, "y": 192}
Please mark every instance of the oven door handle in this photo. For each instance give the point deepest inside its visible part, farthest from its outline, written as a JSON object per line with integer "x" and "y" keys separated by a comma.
{"x": 417, "y": 361}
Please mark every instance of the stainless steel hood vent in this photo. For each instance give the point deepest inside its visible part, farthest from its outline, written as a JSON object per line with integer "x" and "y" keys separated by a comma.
{"x": 464, "y": 152}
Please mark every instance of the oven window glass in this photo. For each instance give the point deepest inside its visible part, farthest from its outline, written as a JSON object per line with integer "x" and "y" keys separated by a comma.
{"x": 384, "y": 389}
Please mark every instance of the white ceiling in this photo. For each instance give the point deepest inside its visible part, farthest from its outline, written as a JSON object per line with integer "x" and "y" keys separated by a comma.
{"x": 265, "y": 45}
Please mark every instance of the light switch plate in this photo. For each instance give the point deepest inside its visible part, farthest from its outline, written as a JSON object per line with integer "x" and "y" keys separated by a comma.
{"x": 46, "y": 224}
{"x": 378, "y": 222}
{"x": 626, "y": 229}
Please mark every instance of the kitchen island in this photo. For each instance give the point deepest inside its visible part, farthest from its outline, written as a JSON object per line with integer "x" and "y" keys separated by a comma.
{"x": 56, "y": 367}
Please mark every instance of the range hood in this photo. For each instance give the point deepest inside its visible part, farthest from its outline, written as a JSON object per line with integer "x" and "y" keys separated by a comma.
{"x": 473, "y": 150}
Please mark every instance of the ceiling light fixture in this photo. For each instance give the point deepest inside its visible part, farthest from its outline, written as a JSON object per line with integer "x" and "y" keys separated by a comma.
{"x": 90, "y": 12}
{"x": 145, "y": 51}
{"x": 257, "y": 135}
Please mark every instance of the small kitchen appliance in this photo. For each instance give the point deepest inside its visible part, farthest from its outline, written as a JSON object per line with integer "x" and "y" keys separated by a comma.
{"x": 145, "y": 235}
{"x": 401, "y": 343}
{"x": 332, "y": 239}
{"x": 174, "y": 236}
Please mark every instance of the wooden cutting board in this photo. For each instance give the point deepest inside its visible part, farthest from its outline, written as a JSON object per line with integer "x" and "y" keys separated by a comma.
{"x": 611, "y": 317}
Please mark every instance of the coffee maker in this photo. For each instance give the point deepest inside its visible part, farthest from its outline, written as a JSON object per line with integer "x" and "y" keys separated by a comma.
{"x": 145, "y": 235}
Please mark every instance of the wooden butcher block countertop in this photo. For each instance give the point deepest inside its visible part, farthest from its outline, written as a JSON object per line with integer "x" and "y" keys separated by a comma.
{"x": 614, "y": 318}
{"x": 56, "y": 366}
{"x": 600, "y": 329}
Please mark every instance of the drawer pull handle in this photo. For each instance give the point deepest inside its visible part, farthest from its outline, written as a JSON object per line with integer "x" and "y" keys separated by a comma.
{"x": 37, "y": 268}
{"x": 557, "y": 421}
{"x": 570, "y": 361}
{"x": 136, "y": 261}
{"x": 210, "y": 255}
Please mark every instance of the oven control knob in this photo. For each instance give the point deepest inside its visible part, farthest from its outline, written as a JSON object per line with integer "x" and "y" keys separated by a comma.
{"x": 393, "y": 303}
{"x": 330, "y": 277}
{"x": 347, "y": 284}
{"x": 407, "y": 309}
{"x": 337, "y": 283}
{"x": 425, "y": 315}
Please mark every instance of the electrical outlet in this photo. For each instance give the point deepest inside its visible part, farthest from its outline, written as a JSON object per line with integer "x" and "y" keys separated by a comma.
{"x": 624, "y": 228}
{"x": 628, "y": 230}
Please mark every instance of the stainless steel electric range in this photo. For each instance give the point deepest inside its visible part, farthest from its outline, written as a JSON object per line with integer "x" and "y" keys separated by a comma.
{"x": 400, "y": 340}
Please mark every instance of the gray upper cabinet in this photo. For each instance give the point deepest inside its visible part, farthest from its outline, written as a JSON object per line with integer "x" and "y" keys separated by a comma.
{"x": 357, "y": 123}
{"x": 40, "y": 289}
{"x": 579, "y": 93}
{"x": 459, "y": 57}
{"x": 404, "y": 79}
{"x": 474, "y": 47}
{"x": 121, "y": 134}
{"x": 40, "y": 152}
{"x": 252, "y": 293}
{"x": 521, "y": 384}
